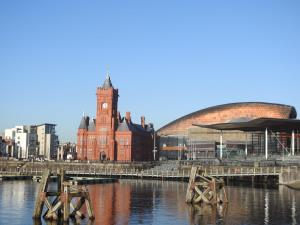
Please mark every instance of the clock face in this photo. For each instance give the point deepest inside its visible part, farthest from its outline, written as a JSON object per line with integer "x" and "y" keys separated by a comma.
{"x": 104, "y": 105}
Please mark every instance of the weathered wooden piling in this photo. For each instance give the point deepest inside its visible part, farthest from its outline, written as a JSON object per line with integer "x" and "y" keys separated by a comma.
{"x": 205, "y": 189}
{"x": 40, "y": 199}
{"x": 64, "y": 197}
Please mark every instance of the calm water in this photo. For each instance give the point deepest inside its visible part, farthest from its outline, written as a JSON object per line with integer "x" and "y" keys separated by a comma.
{"x": 157, "y": 202}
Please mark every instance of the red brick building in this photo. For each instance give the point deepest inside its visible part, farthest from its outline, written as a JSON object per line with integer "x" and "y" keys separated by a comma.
{"x": 111, "y": 137}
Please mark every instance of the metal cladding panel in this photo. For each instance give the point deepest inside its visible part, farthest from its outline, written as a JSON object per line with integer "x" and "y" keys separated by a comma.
{"x": 233, "y": 112}
{"x": 259, "y": 124}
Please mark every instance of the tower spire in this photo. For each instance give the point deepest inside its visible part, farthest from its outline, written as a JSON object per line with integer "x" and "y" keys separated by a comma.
{"x": 107, "y": 83}
{"x": 107, "y": 72}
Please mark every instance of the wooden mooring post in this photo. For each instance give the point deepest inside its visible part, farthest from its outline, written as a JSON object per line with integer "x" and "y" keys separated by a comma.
{"x": 69, "y": 198}
{"x": 205, "y": 189}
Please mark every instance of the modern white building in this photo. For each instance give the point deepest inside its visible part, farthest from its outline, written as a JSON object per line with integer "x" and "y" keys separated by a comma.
{"x": 47, "y": 140}
{"x": 36, "y": 141}
{"x": 10, "y": 133}
{"x": 20, "y": 136}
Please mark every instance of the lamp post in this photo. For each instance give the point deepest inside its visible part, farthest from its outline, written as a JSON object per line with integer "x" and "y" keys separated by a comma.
{"x": 154, "y": 145}
{"x": 179, "y": 152}
{"x": 246, "y": 146}
{"x": 178, "y": 148}
{"x": 221, "y": 144}
{"x": 266, "y": 144}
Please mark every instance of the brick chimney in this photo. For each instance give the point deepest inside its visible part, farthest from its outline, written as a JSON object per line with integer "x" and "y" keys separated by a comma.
{"x": 128, "y": 117}
{"x": 143, "y": 121}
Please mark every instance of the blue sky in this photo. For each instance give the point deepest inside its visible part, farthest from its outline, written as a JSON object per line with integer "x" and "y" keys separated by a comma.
{"x": 167, "y": 58}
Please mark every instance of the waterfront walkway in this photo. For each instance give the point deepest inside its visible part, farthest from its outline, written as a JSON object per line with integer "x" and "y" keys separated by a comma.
{"x": 215, "y": 171}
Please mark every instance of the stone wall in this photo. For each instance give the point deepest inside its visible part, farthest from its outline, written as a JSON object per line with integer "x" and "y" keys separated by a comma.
{"x": 289, "y": 177}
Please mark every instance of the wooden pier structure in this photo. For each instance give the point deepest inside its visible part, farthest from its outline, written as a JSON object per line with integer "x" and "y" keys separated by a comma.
{"x": 69, "y": 198}
{"x": 205, "y": 189}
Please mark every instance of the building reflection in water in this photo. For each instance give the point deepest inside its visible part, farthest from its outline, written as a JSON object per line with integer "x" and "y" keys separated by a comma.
{"x": 266, "y": 208}
{"x": 137, "y": 200}
{"x": 158, "y": 203}
{"x": 207, "y": 214}
{"x": 252, "y": 206}
{"x": 111, "y": 203}
{"x": 294, "y": 220}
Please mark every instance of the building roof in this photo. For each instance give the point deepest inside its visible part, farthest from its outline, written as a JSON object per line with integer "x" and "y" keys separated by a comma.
{"x": 92, "y": 125}
{"x": 240, "y": 119}
{"x": 125, "y": 126}
{"x": 44, "y": 124}
{"x": 290, "y": 109}
{"x": 107, "y": 83}
{"x": 84, "y": 123}
{"x": 259, "y": 124}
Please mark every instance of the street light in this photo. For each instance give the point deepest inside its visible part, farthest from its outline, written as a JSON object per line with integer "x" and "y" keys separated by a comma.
{"x": 154, "y": 145}
{"x": 179, "y": 152}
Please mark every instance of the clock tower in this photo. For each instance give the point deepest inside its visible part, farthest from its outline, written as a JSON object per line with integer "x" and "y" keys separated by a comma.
{"x": 106, "y": 121}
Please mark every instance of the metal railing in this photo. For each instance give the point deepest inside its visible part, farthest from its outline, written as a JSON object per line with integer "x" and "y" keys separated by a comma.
{"x": 216, "y": 171}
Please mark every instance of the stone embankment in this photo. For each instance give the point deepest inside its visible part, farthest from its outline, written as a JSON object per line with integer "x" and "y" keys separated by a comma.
{"x": 290, "y": 178}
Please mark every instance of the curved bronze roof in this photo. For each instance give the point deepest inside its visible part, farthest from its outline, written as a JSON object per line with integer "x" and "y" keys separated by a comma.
{"x": 289, "y": 112}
